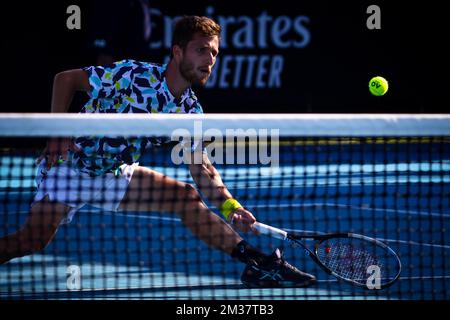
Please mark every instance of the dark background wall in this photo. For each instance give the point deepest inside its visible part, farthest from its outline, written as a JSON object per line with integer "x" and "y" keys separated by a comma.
{"x": 312, "y": 56}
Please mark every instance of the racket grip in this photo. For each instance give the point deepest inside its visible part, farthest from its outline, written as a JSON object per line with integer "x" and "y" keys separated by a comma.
{"x": 270, "y": 231}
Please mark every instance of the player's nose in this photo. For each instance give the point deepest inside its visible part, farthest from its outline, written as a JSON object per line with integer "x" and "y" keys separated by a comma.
{"x": 210, "y": 59}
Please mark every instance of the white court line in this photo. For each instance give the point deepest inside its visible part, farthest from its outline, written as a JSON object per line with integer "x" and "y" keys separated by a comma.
{"x": 444, "y": 246}
{"x": 425, "y": 278}
{"x": 230, "y": 283}
{"x": 442, "y": 277}
{"x": 381, "y": 239}
{"x": 111, "y": 213}
{"x": 401, "y": 211}
{"x": 423, "y": 244}
{"x": 152, "y": 217}
{"x": 283, "y": 206}
{"x": 316, "y": 204}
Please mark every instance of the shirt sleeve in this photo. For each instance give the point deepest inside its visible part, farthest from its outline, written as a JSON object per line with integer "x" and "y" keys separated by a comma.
{"x": 109, "y": 81}
{"x": 196, "y": 108}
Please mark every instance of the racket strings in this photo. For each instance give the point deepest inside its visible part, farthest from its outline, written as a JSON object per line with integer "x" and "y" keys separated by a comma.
{"x": 348, "y": 261}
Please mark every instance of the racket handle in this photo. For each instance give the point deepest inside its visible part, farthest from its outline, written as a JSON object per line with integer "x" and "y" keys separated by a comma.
{"x": 270, "y": 231}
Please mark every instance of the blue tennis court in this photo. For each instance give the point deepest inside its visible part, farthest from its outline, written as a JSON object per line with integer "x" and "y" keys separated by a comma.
{"x": 396, "y": 191}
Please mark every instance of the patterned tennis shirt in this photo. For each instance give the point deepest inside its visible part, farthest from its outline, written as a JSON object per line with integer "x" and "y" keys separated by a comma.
{"x": 127, "y": 86}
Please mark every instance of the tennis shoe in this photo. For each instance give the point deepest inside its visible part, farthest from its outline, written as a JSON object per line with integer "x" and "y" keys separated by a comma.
{"x": 275, "y": 272}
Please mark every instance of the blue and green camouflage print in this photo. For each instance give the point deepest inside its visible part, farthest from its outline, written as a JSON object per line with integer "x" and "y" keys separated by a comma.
{"x": 127, "y": 86}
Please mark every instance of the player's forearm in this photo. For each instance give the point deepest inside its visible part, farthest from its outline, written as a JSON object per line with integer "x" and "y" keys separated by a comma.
{"x": 208, "y": 180}
{"x": 65, "y": 85}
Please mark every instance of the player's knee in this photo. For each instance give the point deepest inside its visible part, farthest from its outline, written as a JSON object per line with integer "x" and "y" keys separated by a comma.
{"x": 39, "y": 244}
{"x": 46, "y": 215}
{"x": 33, "y": 239}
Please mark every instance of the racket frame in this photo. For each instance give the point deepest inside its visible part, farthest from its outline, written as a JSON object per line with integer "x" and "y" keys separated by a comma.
{"x": 295, "y": 237}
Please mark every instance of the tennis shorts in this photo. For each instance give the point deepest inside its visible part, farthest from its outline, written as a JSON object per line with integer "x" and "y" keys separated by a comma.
{"x": 64, "y": 184}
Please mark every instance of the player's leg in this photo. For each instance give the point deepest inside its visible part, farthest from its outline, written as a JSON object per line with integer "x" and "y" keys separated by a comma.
{"x": 152, "y": 191}
{"x": 36, "y": 233}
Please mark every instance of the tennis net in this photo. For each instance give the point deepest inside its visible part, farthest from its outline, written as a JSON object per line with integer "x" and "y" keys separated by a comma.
{"x": 127, "y": 231}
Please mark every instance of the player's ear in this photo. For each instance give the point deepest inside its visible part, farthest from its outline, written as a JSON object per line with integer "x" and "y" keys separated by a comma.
{"x": 177, "y": 52}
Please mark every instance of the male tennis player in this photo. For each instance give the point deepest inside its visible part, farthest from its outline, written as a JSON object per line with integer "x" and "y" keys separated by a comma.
{"x": 110, "y": 165}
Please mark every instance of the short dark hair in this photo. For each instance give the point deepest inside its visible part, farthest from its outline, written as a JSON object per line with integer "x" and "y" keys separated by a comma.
{"x": 187, "y": 26}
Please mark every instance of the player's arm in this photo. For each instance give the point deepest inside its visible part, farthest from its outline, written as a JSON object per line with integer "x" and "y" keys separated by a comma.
{"x": 210, "y": 183}
{"x": 65, "y": 85}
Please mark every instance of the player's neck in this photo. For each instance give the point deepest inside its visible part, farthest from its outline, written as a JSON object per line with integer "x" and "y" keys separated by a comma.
{"x": 175, "y": 81}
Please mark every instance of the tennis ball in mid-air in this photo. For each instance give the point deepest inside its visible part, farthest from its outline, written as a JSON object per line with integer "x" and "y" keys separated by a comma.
{"x": 378, "y": 86}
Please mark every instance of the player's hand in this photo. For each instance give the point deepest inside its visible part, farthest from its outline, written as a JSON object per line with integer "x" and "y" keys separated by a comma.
{"x": 243, "y": 220}
{"x": 56, "y": 149}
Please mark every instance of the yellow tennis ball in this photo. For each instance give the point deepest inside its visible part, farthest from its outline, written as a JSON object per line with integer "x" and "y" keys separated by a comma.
{"x": 378, "y": 86}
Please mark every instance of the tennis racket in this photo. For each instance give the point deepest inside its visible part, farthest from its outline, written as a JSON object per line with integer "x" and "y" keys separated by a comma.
{"x": 354, "y": 258}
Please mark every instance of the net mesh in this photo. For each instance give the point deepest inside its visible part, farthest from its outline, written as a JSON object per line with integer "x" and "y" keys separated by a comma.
{"x": 120, "y": 221}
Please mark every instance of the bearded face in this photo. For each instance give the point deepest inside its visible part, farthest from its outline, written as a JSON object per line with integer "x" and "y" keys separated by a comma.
{"x": 194, "y": 75}
{"x": 198, "y": 58}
